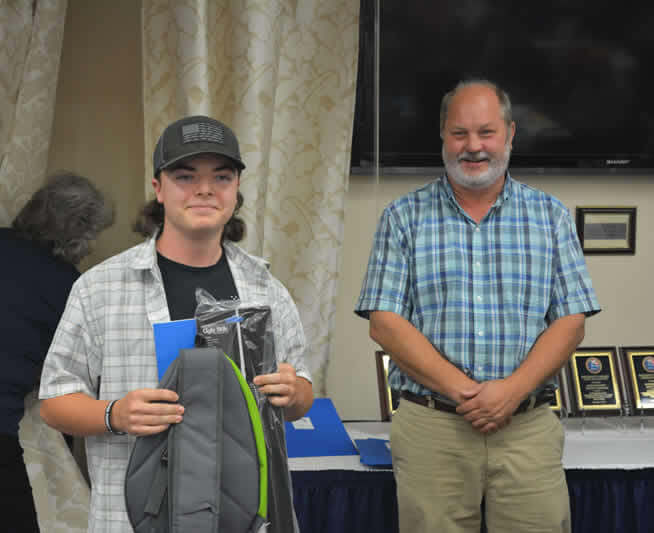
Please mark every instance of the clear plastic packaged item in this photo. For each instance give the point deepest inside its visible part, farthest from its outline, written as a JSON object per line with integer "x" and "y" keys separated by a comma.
{"x": 243, "y": 331}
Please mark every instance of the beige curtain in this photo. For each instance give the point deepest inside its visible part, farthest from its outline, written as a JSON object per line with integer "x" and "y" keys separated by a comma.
{"x": 61, "y": 494}
{"x": 282, "y": 74}
{"x": 31, "y": 36}
{"x": 30, "y": 47}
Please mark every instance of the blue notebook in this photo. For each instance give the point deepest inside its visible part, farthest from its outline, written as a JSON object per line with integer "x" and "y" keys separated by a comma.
{"x": 170, "y": 338}
{"x": 374, "y": 452}
{"x": 319, "y": 433}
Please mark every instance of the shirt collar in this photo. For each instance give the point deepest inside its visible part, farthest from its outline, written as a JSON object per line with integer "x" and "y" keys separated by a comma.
{"x": 146, "y": 255}
{"x": 501, "y": 198}
{"x": 507, "y": 189}
{"x": 236, "y": 255}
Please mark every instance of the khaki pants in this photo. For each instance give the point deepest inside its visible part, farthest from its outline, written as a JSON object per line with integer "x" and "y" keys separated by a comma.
{"x": 443, "y": 468}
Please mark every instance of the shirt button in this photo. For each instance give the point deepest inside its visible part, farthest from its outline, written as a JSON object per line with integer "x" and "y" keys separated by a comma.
{"x": 477, "y": 264}
{"x": 477, "y": 228}
{"x": 479, "y": 298}
{"x": 480, "y": 333}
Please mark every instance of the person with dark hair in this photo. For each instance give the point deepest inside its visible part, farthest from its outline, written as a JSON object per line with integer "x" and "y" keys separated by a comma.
{"x": 51, "y": 234}
{"x": 100, "y": 375}
{"x": 477, "y": 289}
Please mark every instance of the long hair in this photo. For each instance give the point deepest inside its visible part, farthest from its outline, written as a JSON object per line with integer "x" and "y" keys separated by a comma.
{"x": 65, "y": 216}
{"x": 151, "y": 219}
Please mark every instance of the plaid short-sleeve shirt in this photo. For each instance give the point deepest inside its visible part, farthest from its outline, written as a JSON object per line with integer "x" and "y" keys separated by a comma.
{"x": 480, "y": 293}
{"x": 104, "y": 347}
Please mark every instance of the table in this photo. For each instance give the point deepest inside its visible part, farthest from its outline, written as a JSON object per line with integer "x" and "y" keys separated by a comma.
{"x": 609, "y": 466}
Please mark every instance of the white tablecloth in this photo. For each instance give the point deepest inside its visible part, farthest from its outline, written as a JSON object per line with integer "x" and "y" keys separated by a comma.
{"x": 611, "y": 443}
{"x": 605, "y": 443}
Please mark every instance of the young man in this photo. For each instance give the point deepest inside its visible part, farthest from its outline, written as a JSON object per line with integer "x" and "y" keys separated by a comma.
{"x": 100, "y": 375}
{"x": 477, "y": 288}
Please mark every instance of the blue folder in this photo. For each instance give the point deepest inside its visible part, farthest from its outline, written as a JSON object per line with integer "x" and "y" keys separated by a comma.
{"x": 170, "y": 338}
{"x": 374, "y": 452}
{"x": 327, "y": 438}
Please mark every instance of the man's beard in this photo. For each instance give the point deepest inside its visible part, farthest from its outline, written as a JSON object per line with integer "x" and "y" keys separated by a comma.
{"x": 496, "y": 168}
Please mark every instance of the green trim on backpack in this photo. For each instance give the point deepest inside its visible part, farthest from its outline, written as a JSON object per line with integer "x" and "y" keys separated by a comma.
{"x": 257, "y": 429}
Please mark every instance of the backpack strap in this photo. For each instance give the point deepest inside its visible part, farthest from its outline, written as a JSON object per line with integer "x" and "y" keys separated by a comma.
{"x": 260, "y": 446}
{"x": 159, "y": 487}
{"x": 195, "y": 500}
{"x": 146, "y": 479}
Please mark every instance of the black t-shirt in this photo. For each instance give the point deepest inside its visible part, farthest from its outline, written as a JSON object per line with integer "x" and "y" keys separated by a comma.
{"x": 180, "y": 282}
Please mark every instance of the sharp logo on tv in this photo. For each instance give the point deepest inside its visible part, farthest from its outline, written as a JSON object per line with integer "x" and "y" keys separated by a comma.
{"x": 618, "y": 161}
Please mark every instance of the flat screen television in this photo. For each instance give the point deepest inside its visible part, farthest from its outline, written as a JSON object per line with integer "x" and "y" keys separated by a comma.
{"x": 579, "y": 73}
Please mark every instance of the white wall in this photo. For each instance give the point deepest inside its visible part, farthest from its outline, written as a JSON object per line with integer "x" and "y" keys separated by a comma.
{"x": 98, "y": 122}
{"x": 623, "y": 283}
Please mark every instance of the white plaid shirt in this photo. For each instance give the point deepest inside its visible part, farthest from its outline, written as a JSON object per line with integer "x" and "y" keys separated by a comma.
{"x": 104, "y": 347}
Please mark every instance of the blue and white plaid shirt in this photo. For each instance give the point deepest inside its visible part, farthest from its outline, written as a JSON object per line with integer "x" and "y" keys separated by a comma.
{"x": 480, "y": 293}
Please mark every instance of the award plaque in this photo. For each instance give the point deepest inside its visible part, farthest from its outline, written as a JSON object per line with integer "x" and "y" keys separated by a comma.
{"x": 596, "y": 381}
{"x": 560, "y": 404}
{"x": 388, "y": 398}
{"x": 639, "y": 370}
{"x": 555, "y": 403}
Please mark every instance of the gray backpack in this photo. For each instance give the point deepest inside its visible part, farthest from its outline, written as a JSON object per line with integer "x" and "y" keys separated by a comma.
{"x": 209, "y": 473}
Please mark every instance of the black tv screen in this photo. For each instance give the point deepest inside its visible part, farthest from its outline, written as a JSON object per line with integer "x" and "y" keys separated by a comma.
{"x": 579, "y": 74}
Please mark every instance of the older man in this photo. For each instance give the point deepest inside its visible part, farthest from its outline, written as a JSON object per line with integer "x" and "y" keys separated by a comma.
{"x": 477, "y": 288}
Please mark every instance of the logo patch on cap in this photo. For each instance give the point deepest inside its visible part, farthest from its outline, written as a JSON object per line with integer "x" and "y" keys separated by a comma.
{"x": 203, "y": 132}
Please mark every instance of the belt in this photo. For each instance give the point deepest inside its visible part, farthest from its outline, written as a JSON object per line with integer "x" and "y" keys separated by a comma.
{"x": 433, "y": 402}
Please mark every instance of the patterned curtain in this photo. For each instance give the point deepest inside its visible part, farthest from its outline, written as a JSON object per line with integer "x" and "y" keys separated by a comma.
{"x": 61, "y": 493}
{"x": 31, "y": 36}
{"x": 282, "y": 74}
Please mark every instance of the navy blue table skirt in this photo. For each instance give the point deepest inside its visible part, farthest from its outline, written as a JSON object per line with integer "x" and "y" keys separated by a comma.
{"x": 346, "y": 501}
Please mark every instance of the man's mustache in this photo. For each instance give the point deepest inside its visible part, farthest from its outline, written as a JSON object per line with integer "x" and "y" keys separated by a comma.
{"x": 473, "y": 156}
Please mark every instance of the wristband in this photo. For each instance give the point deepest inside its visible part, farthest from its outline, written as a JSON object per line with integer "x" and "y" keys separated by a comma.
{"x": 107, "y": 419}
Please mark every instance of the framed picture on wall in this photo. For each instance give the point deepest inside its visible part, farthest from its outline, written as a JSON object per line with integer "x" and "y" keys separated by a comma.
{"x": 607, "y": 230}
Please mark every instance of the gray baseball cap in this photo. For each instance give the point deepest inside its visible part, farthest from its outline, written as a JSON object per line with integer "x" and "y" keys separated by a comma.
{"x": 195, "y": 135}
